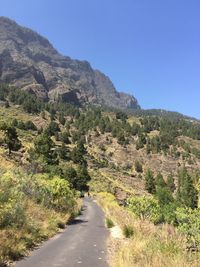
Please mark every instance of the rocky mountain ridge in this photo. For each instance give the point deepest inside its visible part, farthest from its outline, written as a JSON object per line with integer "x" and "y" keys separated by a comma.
{"x": 30, "y": 62}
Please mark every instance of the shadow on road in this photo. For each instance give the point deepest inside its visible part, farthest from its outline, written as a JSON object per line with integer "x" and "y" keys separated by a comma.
{"x": 83, "y": 208}
{"x": 77, "y": 221}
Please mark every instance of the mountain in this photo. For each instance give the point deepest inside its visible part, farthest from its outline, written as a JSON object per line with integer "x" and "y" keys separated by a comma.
{"x": 30, "y": 62}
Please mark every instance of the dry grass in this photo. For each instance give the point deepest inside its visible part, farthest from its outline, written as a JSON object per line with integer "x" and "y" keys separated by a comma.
{"x": 14, "y": 112}
{"x": 41, "y": 224}
{"x": 150, "y": 245}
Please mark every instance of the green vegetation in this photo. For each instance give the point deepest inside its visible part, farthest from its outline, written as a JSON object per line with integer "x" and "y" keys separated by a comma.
{"x": 150, "y": 182}
{"x": 150, "y": 163}
{"x": 11, "y": 138}
{"x": 138, "y": 166}
{"x": 187, "y": 195}
{"x": 128, "y": 231}
{"x": 145, "y": 208}
{"x": 148, "y": 245}
{"x": 109, "y": 223}
{"x": 33, "y": 207}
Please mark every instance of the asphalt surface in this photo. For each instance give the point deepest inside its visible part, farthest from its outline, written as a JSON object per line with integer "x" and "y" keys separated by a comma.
{"x": 82, "y": 244}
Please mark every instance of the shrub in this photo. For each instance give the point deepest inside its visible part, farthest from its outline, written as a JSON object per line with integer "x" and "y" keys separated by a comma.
{"x": 12, "y": 203}
{"x": 109, "y": 223}
{"x": 54, "y": 193}
{"x": 29, "y": 125}
{"x": 138, "y": 166}
{"x": 145, "y": 207}
{"x": 128, "y": 231}
{"x": 189, "y": 224}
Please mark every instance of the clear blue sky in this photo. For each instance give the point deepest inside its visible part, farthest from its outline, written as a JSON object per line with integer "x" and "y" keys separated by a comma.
{"x": 149, "y": 48}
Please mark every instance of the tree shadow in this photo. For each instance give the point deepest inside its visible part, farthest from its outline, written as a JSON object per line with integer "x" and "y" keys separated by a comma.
{"x": 83, "y": 208}
{"x": 77, "y": 221}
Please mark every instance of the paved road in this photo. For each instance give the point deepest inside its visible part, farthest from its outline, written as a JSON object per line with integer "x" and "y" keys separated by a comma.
{"x": 82, "y": 244}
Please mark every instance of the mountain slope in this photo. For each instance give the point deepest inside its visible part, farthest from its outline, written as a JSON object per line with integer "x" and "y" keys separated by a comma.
{"x": 30, "y": 62}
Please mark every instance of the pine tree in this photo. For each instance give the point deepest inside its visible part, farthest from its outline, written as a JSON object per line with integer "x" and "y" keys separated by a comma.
{"x": 70, "y": 175}
{"x": 164, "y": 195}
{"x": 170, "y": 183}
{"x": 65, "y": 137}
{"x": 44, "y": 146}
{"x": 160, "y": 182}
{"x": 83, "y": 178}
{"x": 63, "y": 152}
{"x": 187, "y": 195}
{"x": 11, "y": 138}
{"x": 78, "y": 153}
{"x": 150, "y": 182}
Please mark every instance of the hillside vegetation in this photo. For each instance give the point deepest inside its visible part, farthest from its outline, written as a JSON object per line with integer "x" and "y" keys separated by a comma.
{"x": 52, "y": 151}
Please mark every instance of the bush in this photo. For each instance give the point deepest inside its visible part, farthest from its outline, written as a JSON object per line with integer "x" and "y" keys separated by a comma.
{"x": 128, "y": 231}
{"x": 145, "y": 207}
{"x": 189, "y": 224}
{"x": 54, "y": 193}
{"x": 109, "y": 223}
{"x": 29, "y": 125}
{"x": 12, "y": 203}
{"x": 138, "y": 166}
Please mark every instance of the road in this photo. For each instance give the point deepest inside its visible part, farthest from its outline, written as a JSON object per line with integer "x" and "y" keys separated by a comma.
{"x": 82, "y": 243}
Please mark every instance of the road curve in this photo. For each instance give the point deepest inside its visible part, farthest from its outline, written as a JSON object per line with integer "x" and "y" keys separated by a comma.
{"x": 82, "y": 244}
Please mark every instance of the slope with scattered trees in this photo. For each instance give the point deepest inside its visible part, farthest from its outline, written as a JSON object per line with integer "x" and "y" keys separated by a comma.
{"x": 149, "y": 162}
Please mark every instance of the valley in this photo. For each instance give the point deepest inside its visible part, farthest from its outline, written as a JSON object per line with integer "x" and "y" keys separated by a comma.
{"x": 66, "y": 133}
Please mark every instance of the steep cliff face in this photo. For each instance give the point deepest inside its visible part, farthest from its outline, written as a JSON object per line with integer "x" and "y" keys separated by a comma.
{"x": 30, "y": 62}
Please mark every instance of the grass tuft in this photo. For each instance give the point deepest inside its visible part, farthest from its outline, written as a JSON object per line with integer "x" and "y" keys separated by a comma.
{"x": 109, "y": 223}
{"x": 128, "y": 231}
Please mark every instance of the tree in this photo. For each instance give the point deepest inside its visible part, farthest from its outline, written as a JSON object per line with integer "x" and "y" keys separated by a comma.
{"x": 14, "y": 122}
{"x": 21, "y": 125}
{"x": 155, "y": 144}
{"x": 187, "y": 194}
{"x": 121, "y": 139}
{"x": 63, "y": 152}
{"x": 52, "y": 128}
{"x": 121, "y": 116}
{"x": 170, "y": 183}
{"x": 160, "y": 182}
{"x": 150, "y": 182}
{"x": 11, "y": 138}
{"x": 77, "y": 179}
{"x": 164, "y": 195}
{"x": 145, "y": 207}
{"x": 83, "y": 178}
{"x": 78, "y": 153}
{"x": 135, "y": 128}
{"x": 189, "y": 225}
{"x": 61, "y": 118}
{"x": 141, "y": 141}
{"x": 70, "y": 175}
{"x": 44, "y": 147}
{"x": 29, "y": 125}
{"x": 65, "y": 137}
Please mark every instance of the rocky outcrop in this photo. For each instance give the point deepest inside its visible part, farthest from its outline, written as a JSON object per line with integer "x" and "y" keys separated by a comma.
{"x": 30, "y": 62}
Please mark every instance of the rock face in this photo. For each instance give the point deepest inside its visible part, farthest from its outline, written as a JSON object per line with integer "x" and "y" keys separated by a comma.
{"x": 30, "y": 62}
